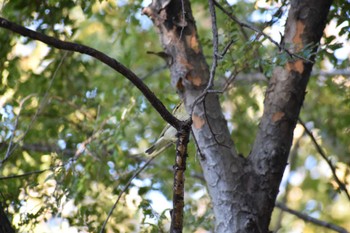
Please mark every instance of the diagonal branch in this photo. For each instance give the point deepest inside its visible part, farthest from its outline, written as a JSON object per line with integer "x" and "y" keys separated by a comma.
{"x": 10, "y": 148}
{"x": 324, "y": 156}
{"x": 26, "y": 174}
{"x": 308, "y": 218}
{"x": 114, "y": 64}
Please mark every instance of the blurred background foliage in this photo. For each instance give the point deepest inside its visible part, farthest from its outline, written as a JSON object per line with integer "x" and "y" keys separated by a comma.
{"x": 77, "y": 130}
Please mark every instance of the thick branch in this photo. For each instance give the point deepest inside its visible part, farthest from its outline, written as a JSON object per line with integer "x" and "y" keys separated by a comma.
{"x": 114, "y": 64}
{"x": 179, "y": 179}
{"x": 283, "y": 100}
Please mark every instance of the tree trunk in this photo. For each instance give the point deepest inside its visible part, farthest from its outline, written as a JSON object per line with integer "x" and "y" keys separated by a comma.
{"x": 243, "y": 190}
{"x": 283, "y": 100}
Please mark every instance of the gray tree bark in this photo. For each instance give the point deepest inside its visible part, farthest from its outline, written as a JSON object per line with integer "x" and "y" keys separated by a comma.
{"x": 243, "y": 190}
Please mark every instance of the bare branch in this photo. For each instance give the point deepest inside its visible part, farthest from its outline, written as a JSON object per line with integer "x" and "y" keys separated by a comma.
{"x": 114, "y": 64}
{"x": 261, "y": 78}
{"x": 310, "y": 219}
{"x": 179, "y": 178}
{"x": 25, "y": 174}
{"x": 324, "y": 156}
{"x": 40, "y": 108}
{"x": 210, "y": 128}
{"x": 242, "y": 24}
{"x": 199, "y": 151}
{"x": 215, "y": 56}
{"x": 215, "y": 44}
{"x": 10, "y": 148}
{"x": 85, "y": 112}
{"x": 227, "y": 47}
{"x": 230, "y": 80}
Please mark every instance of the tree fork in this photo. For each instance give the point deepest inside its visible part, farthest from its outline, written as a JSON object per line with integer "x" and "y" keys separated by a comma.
{"x": 243, "y": 190}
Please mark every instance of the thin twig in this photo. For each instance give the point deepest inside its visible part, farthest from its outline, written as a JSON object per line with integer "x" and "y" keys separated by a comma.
{"x": 38, "y": 171}
{"x": 97, "y": 132}
{"x": 9, "y": 148}
{"x": 124, "y": 189}
{"x": 197, "y": 145}
{"x": 86, "y": 113}
{"x": 154, "y": 71}
{"x": 230, "y": 80}
{"x": 215, "y": 44}
{"x": 41, "y": 106}
{"x": 227, "y": 47}
{"x": 207, "y": 90}
{"x": 324, "y": 156}
{"x": 210, "y": 128}
{"x": 24, "y": 174}
{"x": 260, "y": 32}
{"x": 215, "y": 56}
{"x": 310, "y": 219}
{"x": 183, "y": 18}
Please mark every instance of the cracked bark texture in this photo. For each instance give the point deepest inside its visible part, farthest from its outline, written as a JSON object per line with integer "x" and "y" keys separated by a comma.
{"x": 243, "y": 190}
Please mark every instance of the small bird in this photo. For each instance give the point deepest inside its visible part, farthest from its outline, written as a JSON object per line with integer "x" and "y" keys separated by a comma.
{"x": 168, "y": 135}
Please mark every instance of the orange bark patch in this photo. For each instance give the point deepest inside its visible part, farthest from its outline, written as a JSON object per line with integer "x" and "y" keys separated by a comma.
{"x": 297, "y": 39}
{"x": 184, "y": 62}
{"x": 194, "y": 43}
{"x": 277, "y": 116}
{"x": 297, "y": 66}
{"x": 198, "y": 122}
{"x": 195, "y": 80}
{"x": 147, "y": 11}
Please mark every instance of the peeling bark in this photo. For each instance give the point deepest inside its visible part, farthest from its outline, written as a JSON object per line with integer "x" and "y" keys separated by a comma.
{"x": 283, "y": 102}
{"x": 243, "y": 190}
